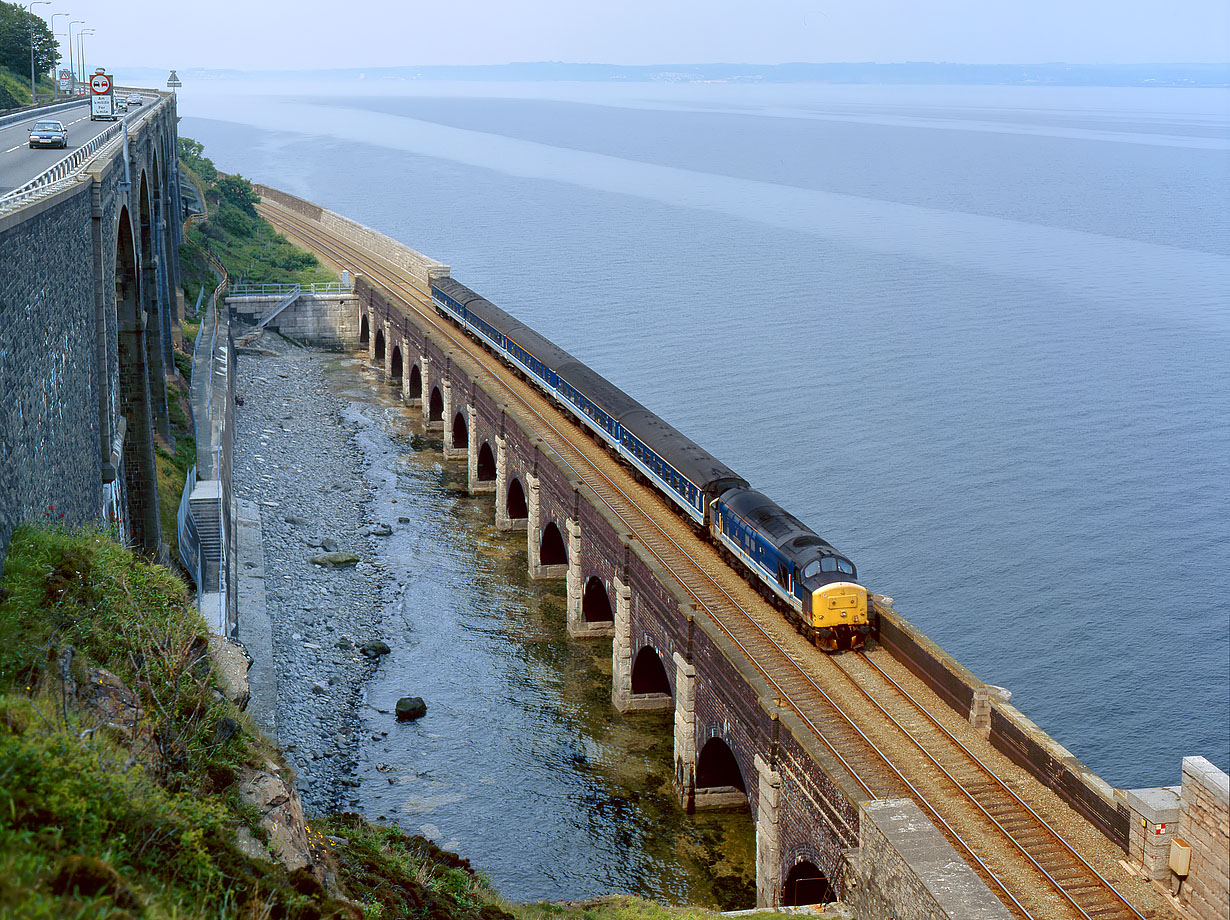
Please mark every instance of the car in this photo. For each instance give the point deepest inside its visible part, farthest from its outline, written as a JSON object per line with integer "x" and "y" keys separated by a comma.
{"x": 48, "y": 134}
{"x": 134, "y": 99}
{"x": 121, "y": 105}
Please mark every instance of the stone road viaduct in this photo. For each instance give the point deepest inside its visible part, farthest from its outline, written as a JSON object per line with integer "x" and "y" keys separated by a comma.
{"x": 89, "y": 287}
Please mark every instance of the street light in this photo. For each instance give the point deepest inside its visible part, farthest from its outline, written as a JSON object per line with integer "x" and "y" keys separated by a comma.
{"x": 30, "y": 10}
{"x": 71, "y": 61}
{"x": 81, "y": 48}
{"x": 52, "y": 24}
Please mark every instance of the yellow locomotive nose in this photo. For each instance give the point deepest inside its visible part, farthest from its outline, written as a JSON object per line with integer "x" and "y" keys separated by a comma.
{"x": 839, "y": 616}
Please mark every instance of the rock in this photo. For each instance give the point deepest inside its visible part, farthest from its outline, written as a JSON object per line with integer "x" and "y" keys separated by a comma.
{"x": 318, "y": 688}
{"x": 250, "y": 846}
{"x": 410, "y": 708}
{"x": 374, "y": 648}
{"x": 231, "y": 662}
{"x": 281, "y": 815}
{"x": 344, "y": 643}
{"x": 403, "y": 520}
{"x": 329, "y": 545}
{"x": 333, "y": 559}
{"x": 380, "y": 530}
{"x": 295, "y": 519}
{"x": 226, "y": 729}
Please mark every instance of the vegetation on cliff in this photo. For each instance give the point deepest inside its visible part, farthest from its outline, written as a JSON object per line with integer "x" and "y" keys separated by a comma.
{"x": 127, "y": 770}
{"x": 248, "y": 246}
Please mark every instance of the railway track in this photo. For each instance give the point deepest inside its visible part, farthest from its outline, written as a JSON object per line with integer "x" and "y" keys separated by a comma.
{"x": 881, "y": 735}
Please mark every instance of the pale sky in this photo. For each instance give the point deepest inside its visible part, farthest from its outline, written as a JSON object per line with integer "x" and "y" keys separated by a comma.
{"x": 312, "y": 34}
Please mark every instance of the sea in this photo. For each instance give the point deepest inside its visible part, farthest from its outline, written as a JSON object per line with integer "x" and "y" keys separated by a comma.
{"x": 977, "y": 337}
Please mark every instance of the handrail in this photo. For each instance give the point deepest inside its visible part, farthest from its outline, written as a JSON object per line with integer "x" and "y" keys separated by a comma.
{"x": 189, "y": 534}
{"x": 273, "y": 289}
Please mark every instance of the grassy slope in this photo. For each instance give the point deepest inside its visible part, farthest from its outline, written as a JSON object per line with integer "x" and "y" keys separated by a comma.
{"x": 105, "y": 822}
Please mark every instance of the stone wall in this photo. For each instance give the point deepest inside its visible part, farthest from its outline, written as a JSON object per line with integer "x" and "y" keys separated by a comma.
{"x": 78, "y": 334}
{"x": 1204, "y": 825}
{"x": 907, "y": 870}
{"x": 49, "y": 416}
{"x": 422, "y": 267}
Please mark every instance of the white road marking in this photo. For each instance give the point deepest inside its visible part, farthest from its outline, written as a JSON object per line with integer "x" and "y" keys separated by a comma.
{"x": 11, "y": 149}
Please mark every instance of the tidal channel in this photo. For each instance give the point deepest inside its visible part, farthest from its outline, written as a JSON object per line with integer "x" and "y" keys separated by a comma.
{"x": 521, "y": 764}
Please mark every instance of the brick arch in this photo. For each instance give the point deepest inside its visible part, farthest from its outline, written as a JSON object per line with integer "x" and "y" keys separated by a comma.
{"x": 140, "y": 475}
{"x": 435, "y": 405}
{"x": 460, "y": 435}
{"x": 486, "y": 463}
{"x": 717, "y": 765}
{"x": 806, "y": 883}
{"x": 518, "y": 508}
{"x": 416, "y": 381}
{"x": 365, "y": 328}
{"x": 380, "y": 345}
{"x": 395, "y": 370}
{"x": 596, "y": 604}
{"x": 649, "y": 674}
{"x": 552, "y": 549}
{"x": 718, "y": 729}
{"x": 155, "y": 320}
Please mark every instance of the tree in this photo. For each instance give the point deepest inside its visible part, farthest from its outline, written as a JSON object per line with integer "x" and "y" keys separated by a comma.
{"x": 18, "y": 28}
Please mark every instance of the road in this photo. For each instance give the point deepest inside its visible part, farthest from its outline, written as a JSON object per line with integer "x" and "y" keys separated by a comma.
{"x": 19, "y": 164}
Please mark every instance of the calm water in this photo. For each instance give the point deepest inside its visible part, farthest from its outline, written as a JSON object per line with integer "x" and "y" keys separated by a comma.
{"x": 977, "y": 337}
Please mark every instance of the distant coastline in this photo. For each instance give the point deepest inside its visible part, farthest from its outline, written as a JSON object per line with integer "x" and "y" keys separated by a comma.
{"x": 911, "y": 73}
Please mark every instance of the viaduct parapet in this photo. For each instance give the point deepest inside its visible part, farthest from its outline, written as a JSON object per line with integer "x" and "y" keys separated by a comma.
{"x": 89, "y": 275}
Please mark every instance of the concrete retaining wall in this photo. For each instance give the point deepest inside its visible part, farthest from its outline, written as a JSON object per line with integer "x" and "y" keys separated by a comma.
{"x": 323, "y": 320}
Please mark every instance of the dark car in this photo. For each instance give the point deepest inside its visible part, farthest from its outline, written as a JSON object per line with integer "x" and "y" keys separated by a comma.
{"x": 48, "y": 134}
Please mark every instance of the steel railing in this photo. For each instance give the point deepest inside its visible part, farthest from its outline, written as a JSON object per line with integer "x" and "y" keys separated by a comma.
{"x": 248, "y": 289}
{"x": 189, "y": 533}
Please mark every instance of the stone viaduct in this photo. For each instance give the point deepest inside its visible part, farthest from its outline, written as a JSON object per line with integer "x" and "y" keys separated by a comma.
{"x": 734, "y": 749}
{"x": 89, "y": 281}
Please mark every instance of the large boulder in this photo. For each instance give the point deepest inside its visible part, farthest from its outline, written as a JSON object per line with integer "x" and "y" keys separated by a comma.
{"x": 231, "y": 662}
{"x": 335, "y": 560}
{"x": 374, "y": 648}
{"x": 410, "y": 708}
{"x": 281, "y": 816}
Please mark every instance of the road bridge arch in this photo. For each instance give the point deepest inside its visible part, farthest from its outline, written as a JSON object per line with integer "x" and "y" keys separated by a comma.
{"x": 140, "y": 474}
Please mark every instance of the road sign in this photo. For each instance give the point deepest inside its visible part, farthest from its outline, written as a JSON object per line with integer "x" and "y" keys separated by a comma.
{"x": 100, "y": 83}
{"x": 66, "y": 79}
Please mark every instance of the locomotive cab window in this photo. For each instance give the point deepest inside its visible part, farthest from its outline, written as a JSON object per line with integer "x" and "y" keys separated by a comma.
{"x": 811, "y": 569}
{"x": 828, "y": 564}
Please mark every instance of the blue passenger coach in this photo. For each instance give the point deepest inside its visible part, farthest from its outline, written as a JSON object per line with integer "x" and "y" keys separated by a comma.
{"x": 814, "y": 584}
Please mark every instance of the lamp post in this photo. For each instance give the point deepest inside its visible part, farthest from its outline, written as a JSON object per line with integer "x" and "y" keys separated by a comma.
{"x": 71, "y": 62}
{"x": 81, "y": 48}
{"x": 52, "y": 23}
{"x": 33, "y": 87}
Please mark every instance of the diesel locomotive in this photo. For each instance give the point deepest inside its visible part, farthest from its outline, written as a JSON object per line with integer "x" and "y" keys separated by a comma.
{"x": 814, "y": 585}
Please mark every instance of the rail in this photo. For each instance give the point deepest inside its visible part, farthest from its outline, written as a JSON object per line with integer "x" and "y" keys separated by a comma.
{"x": 418, "y": 302}
{"x": 247, "y": 289}
{"x": 189, "y": 533}
{"x": 62, "y": 173}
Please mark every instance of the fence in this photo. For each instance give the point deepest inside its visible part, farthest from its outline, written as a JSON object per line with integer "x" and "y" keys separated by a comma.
{"x": 189, "y": 533}
{"x": 245, "y": 289}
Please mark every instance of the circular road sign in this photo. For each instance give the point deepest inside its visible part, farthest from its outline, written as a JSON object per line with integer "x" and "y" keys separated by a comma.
{"x": 100, "y": 83}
